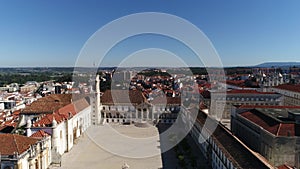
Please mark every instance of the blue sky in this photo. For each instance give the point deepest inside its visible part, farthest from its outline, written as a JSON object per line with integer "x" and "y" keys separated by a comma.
{"x": 52, "y": 33}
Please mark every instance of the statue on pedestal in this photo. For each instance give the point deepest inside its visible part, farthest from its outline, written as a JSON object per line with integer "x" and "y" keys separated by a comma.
{"x": 125, "y": 166}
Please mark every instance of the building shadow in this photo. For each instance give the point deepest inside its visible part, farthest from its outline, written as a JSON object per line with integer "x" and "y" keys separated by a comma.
{"x": 170, "y": 158}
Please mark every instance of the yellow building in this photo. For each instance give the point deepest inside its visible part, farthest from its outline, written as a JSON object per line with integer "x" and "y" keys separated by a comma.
{"x": 20, "y": 152}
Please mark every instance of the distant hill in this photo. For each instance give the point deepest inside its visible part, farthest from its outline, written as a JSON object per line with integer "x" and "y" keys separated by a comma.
{"x": 278, "y": 64}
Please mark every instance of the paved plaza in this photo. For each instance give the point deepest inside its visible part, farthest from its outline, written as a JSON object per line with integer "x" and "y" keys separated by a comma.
{"x": 98, "y": 148}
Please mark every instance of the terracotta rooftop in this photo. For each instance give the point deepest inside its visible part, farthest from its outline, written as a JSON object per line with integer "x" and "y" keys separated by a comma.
{"x": 48, "y": 104}
{"x": 11, "y": 143}
{"x": 80, "y": 104}
{"x": 63, "y": 113}
{"x": 114, "y": 97}
{"x": 290, "y": 87}
{"x": 284, "y": 167}
{"x": 8, "y": 122}
{"x": 271, "y": 124}
{"x": 67, "y": 111}
{"x": 239, "y": 83}
{"x": 51, "y": 103}
{"x": 40, "y": 134}
{"x": 234, "y": 150}
{"x": 248, "y": 92}
{"x": 268, "y": 106}
{"x": 262, "y": 120}
{"x": 166, "y": 100}
{"x": 46, "y": 121}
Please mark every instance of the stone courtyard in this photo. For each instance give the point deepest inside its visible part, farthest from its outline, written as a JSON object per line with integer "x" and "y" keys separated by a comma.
{"x": 90, "y": 153}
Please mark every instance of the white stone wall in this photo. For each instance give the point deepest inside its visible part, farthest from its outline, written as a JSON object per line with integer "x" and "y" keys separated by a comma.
{"x": 64, "y": 130}
{"x": 60, "y": 140}
{"x": 290, "y": 97}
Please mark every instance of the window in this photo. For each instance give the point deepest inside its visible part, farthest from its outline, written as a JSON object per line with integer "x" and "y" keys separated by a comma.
{"x": 60, "y": 134}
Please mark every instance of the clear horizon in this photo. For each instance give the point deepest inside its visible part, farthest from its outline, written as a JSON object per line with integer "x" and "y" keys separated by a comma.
{"x": 52, "y": 33}
{"x": 142, "y": 66}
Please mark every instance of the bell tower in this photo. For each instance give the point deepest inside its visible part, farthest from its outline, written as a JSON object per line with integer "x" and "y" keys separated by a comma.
{"x": 96, "y": 110}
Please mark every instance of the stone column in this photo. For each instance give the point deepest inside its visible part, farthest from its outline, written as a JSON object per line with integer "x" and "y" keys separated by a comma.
{"x": 136, "y": 115}
{"x": 152, "y": 112}
{"x": 142, "y": 115}
{"x": 147, "y": 114}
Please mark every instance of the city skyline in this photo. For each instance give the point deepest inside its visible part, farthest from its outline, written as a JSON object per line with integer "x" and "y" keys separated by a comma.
{"x": 51, "y": 34}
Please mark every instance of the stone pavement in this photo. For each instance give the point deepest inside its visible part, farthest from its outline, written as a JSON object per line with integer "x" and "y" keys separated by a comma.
{"x": 87, "y": 154}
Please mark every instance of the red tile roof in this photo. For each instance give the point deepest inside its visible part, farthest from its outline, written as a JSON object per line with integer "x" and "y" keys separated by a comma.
{"x": 262, "y": 120}
{"x": 80, "y": 104}
{"x": 234, "y": 150}
{"x": 270, "y": 124}
{"x": 63, "y": 98}
{"x": 239, "y": 83}
{"x": 63, "y": 113}
{"x": 11, "y": 143}
{"x": 286, "y": 129}
{"x": 12, "y": 123}
{"x": 46, "y": 120}
{"x": 166, "y": 100}
{"x": 67, "y": 111}
{"x": 40, "y": 134}
{"x": 134, "y": 97}
{"x": 48, "y": 104}
{"x": 268, "y": 106}
{"x": 54, "y": 102}
{"x": 248, "y": 92}
{"x": 284, "y": 167}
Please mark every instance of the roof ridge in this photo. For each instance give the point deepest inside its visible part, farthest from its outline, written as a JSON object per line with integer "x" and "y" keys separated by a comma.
{"x": 15, "y": 141}
{"x": 278, "y": 129}
{"x": 41, "y": 133}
